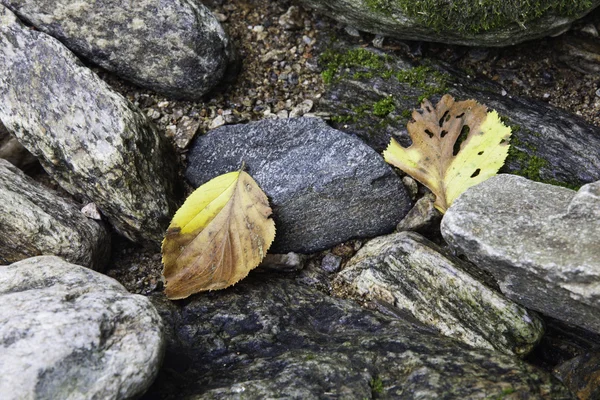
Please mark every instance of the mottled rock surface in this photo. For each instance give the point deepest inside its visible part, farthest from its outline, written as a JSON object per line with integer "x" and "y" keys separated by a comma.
{"x": 414, "y": 275}
{"x": 36, "y": 221}
{"x": 324, "y": 186}
{"x": 466, "y": 22}
{"x": 372, "y": 94}
{"x": 582, "y": 375}
{"x": 12, "y": 151}
{"x": 539, "y": 241}
{"x": 174, "y": 47}
{"x": 270, "y": 337}
{"x": 90, "y": 139}
{"x": 67, "y": 332}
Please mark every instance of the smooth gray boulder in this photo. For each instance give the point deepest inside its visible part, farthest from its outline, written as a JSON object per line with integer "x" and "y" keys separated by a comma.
{"x": 372, "y": 93}
{"x": 464, "y": 22}
{"x": 90, "y": 139}
{"x": 324, "y": 186}
{"x": 271, "y": 337}
{"x": 36, "y": 221}
{"x": 174, "y": 47}
{"x": 414, "y": 275}
{"x": 67, "y": 332}
{"x": 539, "y": 241}
{"x": 12, "y": 151}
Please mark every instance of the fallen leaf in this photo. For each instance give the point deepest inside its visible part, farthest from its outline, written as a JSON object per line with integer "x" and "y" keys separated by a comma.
{"x": 221, "y": 232}
{"x": 454, "y": 146}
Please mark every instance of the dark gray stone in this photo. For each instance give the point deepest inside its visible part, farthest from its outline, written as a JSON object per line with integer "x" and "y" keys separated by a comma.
{"x": 582, "y": 375}
{"x": 465, "y": 22}
{"x": 548, "y": 144}
{"x": 539, "y": 241}
{"x": 91, "y": 140}
{"x": 414, "y": 275}
{"x": 270, "y": 337}
{"x": 67, "y": 332}
{"x": 35, "y": 220}
{"x": 324, "y": 186}
{"x": 174, "y": 47}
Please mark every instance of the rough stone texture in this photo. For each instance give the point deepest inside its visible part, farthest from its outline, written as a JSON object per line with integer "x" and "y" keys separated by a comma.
{"x": 324, "y": 186}
{"x": 412, "y": 274}
{"x": 12, "y": 151}
{"x": 270, "y": 337}
{"x": 548, "y": 144}
{"x": 423, "y": 217}
{"x": 539, "y": 241}
{"x": 35, "y": 221}
{"x": 174, "y": 47}
{"x": 67, "y": 332}
{"x": 94, "y": 142}
{"x": 457, "y": 22}
{"x": 582, "y": 375}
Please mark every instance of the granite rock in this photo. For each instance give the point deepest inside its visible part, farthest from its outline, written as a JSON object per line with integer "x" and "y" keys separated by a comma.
{"x": 271, "y": 337}
{"x": 90, "y": 139}
{"x": 67, "y": 332}
{"x": 539, "y": 241}
{"x": 35, "y": 221}
{"x": 174, "y": 47}
{"x": 12, "y": 151}
{"x": 582, "y": 375}
{"x": 415, "y": 276}
{"x": 465, "y": 22}
{"x": 324, "y": 186}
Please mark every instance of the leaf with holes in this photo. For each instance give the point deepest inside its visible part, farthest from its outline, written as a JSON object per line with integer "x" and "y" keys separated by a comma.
{"x": 221, "y": 232}
{"x": 454, "y": 146}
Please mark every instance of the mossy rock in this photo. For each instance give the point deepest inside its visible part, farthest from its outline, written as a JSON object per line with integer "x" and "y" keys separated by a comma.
{"x": 466, "y": 22}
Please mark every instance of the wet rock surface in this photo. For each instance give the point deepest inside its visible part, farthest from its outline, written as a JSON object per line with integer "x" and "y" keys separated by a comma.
{"x": 539, "y": 241}
{"x": 37, "y": 221}
{"x": 372, "y": 94}
{"x": 415, "y": 276}
{"x": 582, "y": 375}
{"x": 69, "y": 332}
{"x": 469, "y": 22}
{"x": 94, "y": 142}
{"x": 139, "y": 41}
{"x": 324, "y": 186}
{"x": 272, "y": 337}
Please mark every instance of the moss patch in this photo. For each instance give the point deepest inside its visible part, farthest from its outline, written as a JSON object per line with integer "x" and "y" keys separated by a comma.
{"x": 376, "y": 385}
{"x": 477, "y": 15}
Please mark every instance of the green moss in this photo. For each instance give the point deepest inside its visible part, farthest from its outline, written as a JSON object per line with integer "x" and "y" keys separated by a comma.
{"x": 503, "y": 394}
{"x": 376, "y": 385}
{"x": 384, "y": 106}
{"x": 477, "y": 15}
{"x": 335, "y": 62}
{"x": 423, "y": 77}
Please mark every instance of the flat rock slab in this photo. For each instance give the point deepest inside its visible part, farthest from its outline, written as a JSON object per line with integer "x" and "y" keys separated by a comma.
{"x": 270, "y": 337}
{"x": 324, "y": 186}
{"x": 372, "y": 94}
{"x": 90, "y": 139}
{"x": 67, "y": 332}
{"x": 409, "y": 272}
{"x": 539, "y": 241}
{"x": 174, "y": 47}
{"x": 468, "y": 22}
{"x": 37, "y": 221}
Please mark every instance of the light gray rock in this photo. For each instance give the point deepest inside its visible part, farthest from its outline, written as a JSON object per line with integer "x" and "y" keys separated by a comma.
{"x": 35, "y": 221}
{"x": 90, "y": 139}
{"x": 174, "y": 47}
{"x": 414, "y": 275}
{"x": 539, "y": 241}
{"x": 271, "y": 337}
{"x": 324, "y": 186}
{"x": 12, "y": 151}
{"x": 67, "y": 332}
{"x": 547, "y": 144}
{"x": 465, "y": 22}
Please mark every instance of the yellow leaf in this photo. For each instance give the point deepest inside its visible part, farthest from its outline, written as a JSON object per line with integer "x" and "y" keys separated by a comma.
{"x": 221, "y": 232}
{"x": 439, "y": 160}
